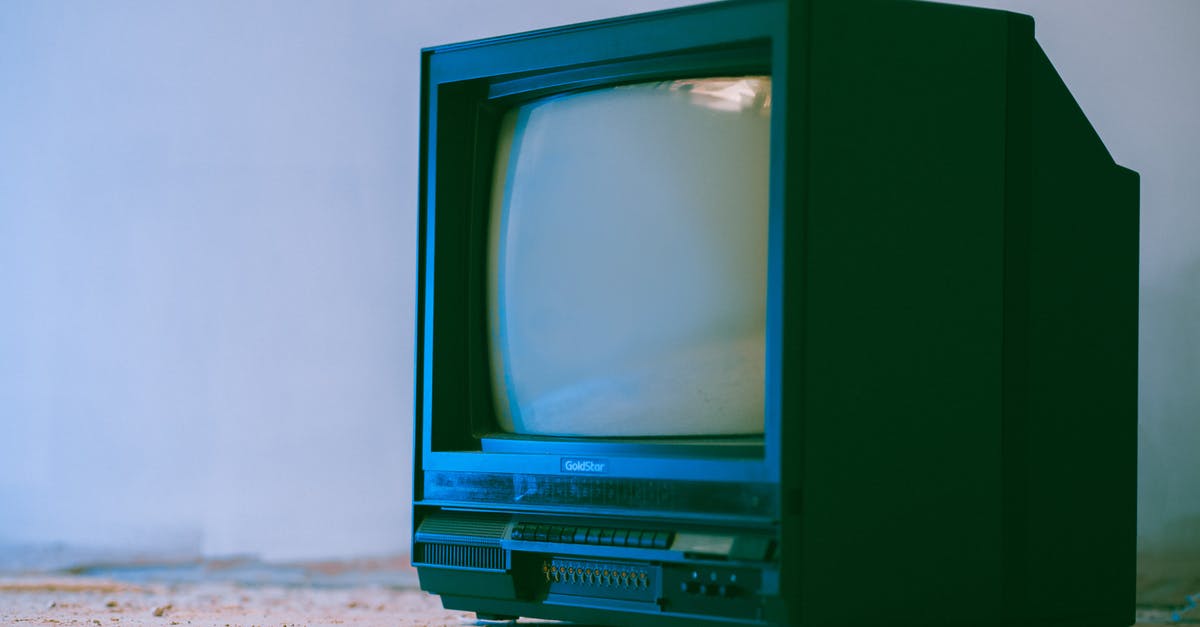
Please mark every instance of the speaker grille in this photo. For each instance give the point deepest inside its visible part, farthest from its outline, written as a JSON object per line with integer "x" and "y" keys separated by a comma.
{"x": 479, "y": 527}
{"x": 461, "y": 556}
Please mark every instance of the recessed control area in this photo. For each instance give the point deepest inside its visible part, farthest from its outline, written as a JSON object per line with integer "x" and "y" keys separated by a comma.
{"x": 601, "y": 578}
{"x": 711, "y": 589}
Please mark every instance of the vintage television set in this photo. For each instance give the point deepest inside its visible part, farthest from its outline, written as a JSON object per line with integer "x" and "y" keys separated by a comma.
{"x": 819, "y": 312}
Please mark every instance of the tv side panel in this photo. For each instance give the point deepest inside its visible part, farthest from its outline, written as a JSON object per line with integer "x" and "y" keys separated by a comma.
{"x": 903, "y": 259}
{"x": 1018, "y": 197}
{"x": 1082, "y": 427}
{"x": 787, "y": 232}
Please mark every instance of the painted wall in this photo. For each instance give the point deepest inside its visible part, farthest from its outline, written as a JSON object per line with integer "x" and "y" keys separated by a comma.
{"x": 207, "y": 219}
{"x": 207, "y": 215}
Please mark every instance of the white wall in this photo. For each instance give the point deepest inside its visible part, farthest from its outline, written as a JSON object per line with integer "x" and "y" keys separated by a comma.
{"x": 207, "y": 219}
{"x": 207, "y": 215}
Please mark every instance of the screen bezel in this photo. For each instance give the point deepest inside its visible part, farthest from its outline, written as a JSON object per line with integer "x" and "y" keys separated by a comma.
{"x": 473, "y": 84}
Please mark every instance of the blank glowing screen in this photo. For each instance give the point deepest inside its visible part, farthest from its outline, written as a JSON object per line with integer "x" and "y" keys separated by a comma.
{"x": 627, "y": 260}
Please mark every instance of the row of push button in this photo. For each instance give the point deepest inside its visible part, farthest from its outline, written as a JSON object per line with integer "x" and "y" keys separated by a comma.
{"x": 709, "y": 589}
{"x": 640, "y": 538}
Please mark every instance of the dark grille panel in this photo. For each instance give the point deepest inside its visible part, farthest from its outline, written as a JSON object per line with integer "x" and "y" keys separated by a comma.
{"x": 470, "y": 525}
{"x": 461, "y": 556}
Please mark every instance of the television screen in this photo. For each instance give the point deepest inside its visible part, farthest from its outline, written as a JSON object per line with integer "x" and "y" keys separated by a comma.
{"x": 628, "y": 260}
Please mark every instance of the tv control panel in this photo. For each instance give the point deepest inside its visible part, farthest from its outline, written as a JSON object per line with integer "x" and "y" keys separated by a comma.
{"x": 600, "y": 536}
{"x": 651, "y": 569}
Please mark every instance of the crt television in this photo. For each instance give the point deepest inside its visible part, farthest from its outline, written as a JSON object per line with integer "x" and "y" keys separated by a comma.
{"x": 820, "y": 312}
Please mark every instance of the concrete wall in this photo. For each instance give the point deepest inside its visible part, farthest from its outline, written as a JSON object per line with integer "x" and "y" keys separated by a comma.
{"x": 207, "y": 219}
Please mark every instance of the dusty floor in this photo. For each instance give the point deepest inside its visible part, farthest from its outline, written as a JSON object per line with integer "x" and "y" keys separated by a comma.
{"x": 91, "y": 601}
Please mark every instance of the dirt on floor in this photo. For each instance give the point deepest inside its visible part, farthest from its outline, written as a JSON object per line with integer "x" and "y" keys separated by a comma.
{"x": 87, "y": 601}
{"x": 97, "y": 601}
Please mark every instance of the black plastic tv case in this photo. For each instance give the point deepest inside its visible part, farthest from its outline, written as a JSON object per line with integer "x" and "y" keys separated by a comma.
{"x": 950, "y": 425}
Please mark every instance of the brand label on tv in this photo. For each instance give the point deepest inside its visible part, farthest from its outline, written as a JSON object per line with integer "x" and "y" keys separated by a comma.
{"x": 584, "y": 466}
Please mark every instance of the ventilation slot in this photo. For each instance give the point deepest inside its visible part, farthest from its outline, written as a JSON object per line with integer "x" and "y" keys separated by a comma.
{"x": 475, "y": 526}
{"x": 461, "y": 556}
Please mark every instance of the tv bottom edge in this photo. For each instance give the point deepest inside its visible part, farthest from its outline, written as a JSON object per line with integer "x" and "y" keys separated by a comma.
{"x": 607, "y": 570}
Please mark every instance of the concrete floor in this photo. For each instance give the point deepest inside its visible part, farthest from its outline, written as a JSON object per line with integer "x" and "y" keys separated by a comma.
{"x": 56, "y": 587}
{"x": 88, "y": 601}
{"x": 91, "y": 601}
